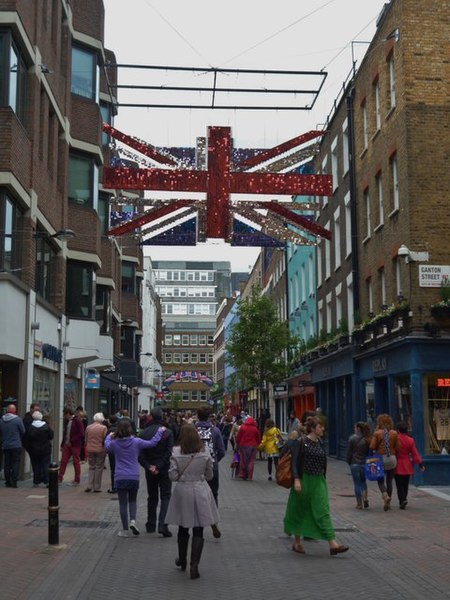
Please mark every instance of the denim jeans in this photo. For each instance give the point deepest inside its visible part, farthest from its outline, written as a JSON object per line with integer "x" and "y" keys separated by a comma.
{"x": 359, "y": 479}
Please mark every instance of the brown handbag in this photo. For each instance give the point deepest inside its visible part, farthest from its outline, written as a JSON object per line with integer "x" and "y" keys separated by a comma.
{"x": 283, "y": 473}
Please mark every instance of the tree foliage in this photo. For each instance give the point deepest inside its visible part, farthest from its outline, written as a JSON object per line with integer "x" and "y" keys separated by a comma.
{"x": 258, "y": 342}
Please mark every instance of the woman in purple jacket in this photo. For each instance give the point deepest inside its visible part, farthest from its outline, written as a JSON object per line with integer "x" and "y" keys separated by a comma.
{"x": 126, "y": 448}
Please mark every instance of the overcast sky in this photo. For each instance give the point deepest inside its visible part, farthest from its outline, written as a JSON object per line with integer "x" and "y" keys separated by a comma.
{"x": 313, "y": 35}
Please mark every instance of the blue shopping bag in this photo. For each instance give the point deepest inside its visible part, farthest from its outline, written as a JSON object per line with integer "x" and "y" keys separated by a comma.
{"x": 373, "y": 467}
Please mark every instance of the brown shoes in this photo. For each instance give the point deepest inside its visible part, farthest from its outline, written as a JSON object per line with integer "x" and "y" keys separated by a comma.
{"x": 339, "y": 550}
{"x": 297, "y": 547}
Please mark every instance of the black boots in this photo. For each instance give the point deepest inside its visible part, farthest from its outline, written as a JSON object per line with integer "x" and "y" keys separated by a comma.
{"x": 196, "y": 552}
{"x": 181, "y": 561}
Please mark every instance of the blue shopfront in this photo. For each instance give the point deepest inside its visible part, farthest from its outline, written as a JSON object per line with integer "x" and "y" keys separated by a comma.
{"x": 410, "y": 380}
{"x": 333, "y": 379}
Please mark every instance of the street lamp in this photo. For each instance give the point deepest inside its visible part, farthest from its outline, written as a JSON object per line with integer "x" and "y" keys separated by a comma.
{"x": 410, "y": 255}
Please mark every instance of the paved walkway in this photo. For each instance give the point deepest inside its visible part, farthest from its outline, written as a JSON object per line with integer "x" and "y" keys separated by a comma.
{"x": 398, "y": 554}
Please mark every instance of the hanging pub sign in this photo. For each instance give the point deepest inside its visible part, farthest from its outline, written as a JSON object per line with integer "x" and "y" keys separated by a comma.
{"x": 92, "y": 379}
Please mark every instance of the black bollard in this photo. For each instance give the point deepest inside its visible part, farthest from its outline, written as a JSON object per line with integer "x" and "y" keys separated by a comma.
{"x": 53, "y": 504}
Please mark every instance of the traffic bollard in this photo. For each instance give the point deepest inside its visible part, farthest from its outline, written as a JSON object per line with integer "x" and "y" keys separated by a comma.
{"x": 53, "y": 504}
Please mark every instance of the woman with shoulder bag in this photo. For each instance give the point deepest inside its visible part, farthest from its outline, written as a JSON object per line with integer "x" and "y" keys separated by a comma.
{"x": 307, "y": 511}
{"x": 385, "y": 442}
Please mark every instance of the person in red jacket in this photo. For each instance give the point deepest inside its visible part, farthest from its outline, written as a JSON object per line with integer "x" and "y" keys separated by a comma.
{"x": 247, "y": 442}
{"x": 407, "y": 457}
{"x": 73, "y": 436}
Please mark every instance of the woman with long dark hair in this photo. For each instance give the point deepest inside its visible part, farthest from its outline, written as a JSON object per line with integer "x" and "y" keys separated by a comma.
{"x": 125, "y": 448}
{"x": 357, "y": 451}
{"x": 307, "y": 511}
{"x": 192, "y": 504}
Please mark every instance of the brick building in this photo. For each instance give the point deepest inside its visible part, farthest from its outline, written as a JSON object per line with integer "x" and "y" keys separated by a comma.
{"x": 70, "y": 295}
{"x": 389, "y": 210}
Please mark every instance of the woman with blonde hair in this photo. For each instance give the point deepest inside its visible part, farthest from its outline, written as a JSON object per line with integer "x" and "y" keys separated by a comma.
{"x": 385, "y": 441}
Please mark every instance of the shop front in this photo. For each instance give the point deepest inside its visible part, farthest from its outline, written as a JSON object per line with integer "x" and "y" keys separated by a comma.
{"x": 411, "y": 382}
{"x": 333, "y": 378}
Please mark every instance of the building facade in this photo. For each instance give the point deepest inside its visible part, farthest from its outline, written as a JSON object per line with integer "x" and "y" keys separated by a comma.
{"x": 396, "y": 106}
{"x": 70, "y": 306}
{"x": 190, "y": 293}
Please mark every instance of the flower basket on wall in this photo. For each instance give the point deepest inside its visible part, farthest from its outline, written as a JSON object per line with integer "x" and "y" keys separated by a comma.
{"x": 440, "y": 311}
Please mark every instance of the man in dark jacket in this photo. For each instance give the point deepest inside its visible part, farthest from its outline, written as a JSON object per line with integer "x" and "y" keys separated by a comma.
{"x": 212, "y": 438}
{"x": 11, "y": 431}
{"x": 156, "y": 462}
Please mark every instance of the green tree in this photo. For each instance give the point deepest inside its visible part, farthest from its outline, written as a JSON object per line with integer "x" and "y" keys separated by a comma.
{"x": 258, "y": 343}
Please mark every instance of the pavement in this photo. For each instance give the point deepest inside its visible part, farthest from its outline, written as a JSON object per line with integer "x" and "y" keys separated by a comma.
{"x": 393, "y": 555}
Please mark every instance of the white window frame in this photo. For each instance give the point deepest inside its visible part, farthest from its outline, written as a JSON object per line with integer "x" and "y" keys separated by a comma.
{"x": 345, "y": 149}
{"x": 392, "y": 83}
{"x": 337, "y": 238}
{"x": 348, "y": 225}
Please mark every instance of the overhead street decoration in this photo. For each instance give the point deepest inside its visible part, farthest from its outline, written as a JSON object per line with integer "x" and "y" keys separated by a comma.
{"x": 189, "y": 376}
{"x": 217, "y": 214}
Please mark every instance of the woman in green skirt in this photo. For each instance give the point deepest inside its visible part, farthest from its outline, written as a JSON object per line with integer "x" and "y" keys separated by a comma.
{"x": 307, "y": 510}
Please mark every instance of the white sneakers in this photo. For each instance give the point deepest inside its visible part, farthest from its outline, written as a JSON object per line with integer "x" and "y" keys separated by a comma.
{"x": 123, "y": 533}
{"x": 134, "y": 528}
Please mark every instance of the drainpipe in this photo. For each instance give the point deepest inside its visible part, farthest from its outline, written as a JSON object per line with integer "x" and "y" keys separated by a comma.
{"x": 352, "y": 185}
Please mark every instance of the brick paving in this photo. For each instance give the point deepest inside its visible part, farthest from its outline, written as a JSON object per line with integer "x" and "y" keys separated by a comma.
{"x": 401, "y": 554}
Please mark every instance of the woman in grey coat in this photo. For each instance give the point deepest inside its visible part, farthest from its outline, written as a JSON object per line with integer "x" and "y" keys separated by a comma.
{"x": 192, "y": 503}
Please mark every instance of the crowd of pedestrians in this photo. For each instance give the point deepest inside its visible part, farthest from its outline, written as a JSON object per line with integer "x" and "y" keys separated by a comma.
{"x": 180, "y": 455}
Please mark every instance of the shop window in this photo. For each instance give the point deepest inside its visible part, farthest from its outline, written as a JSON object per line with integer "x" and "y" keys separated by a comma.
{"x": 84, "y": 73}
{"x": 44, "y": 391}
{"x": 438, "y": 414}
{"x": 402, "y": 390}
{"x": 370, "y": 403}
{"x": 80, "y": 290}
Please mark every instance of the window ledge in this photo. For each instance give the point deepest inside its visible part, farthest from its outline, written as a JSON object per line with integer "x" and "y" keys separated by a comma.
{"x": 379, "y": 227}
{"x": 376, "y": 134}
{"x": 394, "y": 212}
{"x": 366, "y": 239}
{"x": 364, "y": 152}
